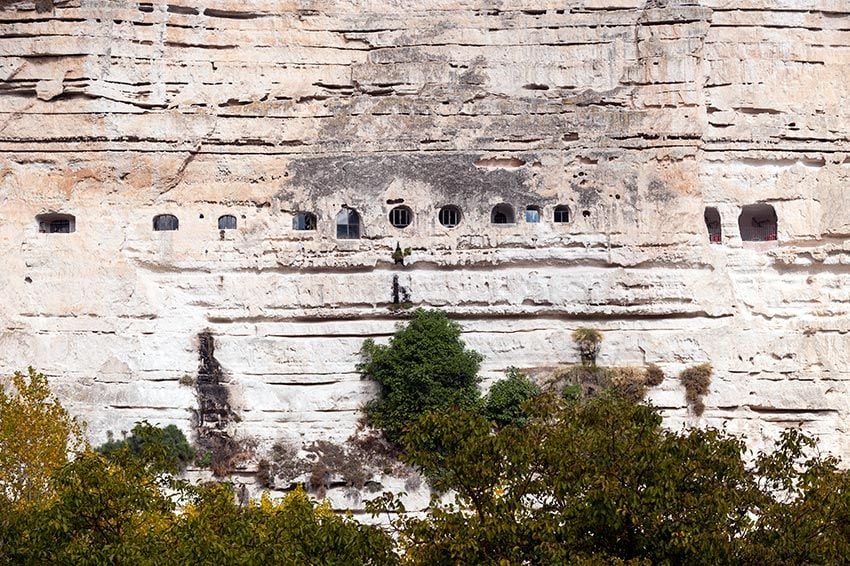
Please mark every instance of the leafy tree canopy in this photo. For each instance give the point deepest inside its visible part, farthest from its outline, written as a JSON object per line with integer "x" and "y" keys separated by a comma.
{"x": 425, "y": 367}
{"x": 36, "y": 436}
{"x": 164, "y": 448}
{"x": 503, "y": 404}
{"x": 599, "y": 481}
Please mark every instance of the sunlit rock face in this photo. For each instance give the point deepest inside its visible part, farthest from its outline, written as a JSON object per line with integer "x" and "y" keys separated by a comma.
{"x": 635, "y": 115}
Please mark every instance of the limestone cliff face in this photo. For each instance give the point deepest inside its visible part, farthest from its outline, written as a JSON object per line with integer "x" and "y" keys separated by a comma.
{"x": 636, "y": 114}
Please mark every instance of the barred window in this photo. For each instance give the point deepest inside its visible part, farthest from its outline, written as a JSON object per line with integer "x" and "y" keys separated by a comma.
{"x": 227, "y": 222}
{"x": 532, "y": 214}
{"x": 401, "y": 216}
{"x": 758, "y": 223}
{"x": 562, "y": 214}
{"x": 165, "y": 223}
{"x": 449, "y": 216}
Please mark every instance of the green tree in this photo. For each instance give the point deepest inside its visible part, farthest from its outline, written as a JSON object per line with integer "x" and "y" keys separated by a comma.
{"x": 291, "y": 531}
{"x": 36, "y": 437}
{"x": 503, "y": 404}
{"x": 164, "y": 447}
{"x": 425, "y": 367}
{"x": 599, "y": 481}
{"x": 104, "y": 511}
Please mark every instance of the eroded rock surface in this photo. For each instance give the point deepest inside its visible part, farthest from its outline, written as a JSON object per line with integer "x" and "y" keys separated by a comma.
{"x": 636, "y": 114}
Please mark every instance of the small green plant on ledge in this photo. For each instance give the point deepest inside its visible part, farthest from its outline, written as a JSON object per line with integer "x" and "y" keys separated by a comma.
{"x": 696, "y": 380}
{"x": 399, "y": 254}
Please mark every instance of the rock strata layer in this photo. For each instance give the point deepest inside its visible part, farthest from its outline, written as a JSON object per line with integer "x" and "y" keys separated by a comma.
{"x": 636, "y": 115}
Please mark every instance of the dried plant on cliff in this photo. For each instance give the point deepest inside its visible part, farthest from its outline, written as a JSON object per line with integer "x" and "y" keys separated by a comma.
{"x": 589, "y": 341}
{"x": 629, "y": 381}
{"x": 654, "y": 375}
{"x": 696, "y": 380}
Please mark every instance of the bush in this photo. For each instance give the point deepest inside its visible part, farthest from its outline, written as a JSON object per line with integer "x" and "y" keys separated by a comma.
{"x": 654, "y": 375}
{"x": 425, "y": 367}
{"x": 576, "y": 381}
{"x": 503, "y": 404}
{"x": 164, "y": 447}
{"x": 628, "y": 381}
{"x": 696, "y": 380}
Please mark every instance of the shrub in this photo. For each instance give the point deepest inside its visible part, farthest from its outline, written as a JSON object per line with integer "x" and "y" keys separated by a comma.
{"x": 576, "y": 381}
{"x": 628, "y": 381}
{"x": 425, "y": 367}
{"x": 503, "y": 404}
{"x": 589, "y": 341}
{"x": 696, "y": 380}
{"x": 165, "y": 447}
{"x": 654, "y": 375}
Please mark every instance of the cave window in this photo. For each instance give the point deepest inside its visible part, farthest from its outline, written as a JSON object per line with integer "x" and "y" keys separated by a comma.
{"x": 401, "y": 216}
{"x": 502, "y": 214}
{"x": 758, "y": 223}
{"x": 449, "y": 216}
{"x": 712, "y": 222}
{"x": 532, "y": 214}
{"x": 56, "y": 223}
{"x": 227, "y": 222}
{"x": 562, "y": 214}
{"x": 348, "y": 224}
{"x": 304, "y": 221}
{"x": 165, "y": 223}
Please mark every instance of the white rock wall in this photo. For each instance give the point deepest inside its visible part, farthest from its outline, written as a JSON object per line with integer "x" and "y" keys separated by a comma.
{"x": 636, "y": 113}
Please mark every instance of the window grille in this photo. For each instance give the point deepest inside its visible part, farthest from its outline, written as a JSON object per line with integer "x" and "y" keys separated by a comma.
{"x": 562, "y": 214}
{"x": 758, "y": 223}
{"x": 449, "y": 216}
{"x": 56, "y": 223}
{"x": 227, "y": 222}
{"x": 165, "y": 223}
{"x": 401, "y": 217}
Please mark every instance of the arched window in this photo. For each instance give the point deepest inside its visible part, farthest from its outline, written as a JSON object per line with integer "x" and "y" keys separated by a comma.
{"x": 562, "y": 214}
{"x": 348, "y": 224}
{"x": 56, "y": 223}
{"x": 532, "y": 214}
{"x": 449, "y": 216}
{"x": 401, "y": 216}
{"x": 758, "y": 223}
{"x": 165, "y": 223}
{"x": 712, "y": 222}
{"x": 502, "y": 214}
{"x": 304, "y": 221}
{"x": 227, "y": 222}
